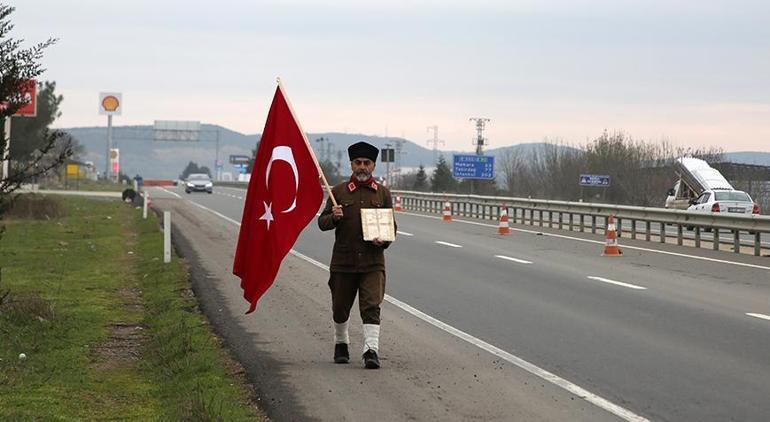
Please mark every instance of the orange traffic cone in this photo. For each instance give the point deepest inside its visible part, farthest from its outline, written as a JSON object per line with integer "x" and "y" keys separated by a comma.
{"x": 397, "y": 207}
{"x": 503, "y": 227}
{"x": 611, "y": 247}
{"x": 447, "y": 212}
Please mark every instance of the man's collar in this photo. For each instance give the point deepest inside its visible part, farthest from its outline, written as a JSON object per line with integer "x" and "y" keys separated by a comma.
{"x": 371, "y": 184}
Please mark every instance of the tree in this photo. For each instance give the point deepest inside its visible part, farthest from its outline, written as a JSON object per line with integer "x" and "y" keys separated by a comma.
{"x": 18, "y": 66}
{"x": 193, "y": 167}
{"x": 421, "y": 180}
{"x": 333, "y": 175}
{"x": 442, "y": 179}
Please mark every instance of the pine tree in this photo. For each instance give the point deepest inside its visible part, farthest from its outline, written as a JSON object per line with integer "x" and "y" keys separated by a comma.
{"x": 18, "y": 66}
{"x": 421, "y": 180}
{"x": 442, "y": 179}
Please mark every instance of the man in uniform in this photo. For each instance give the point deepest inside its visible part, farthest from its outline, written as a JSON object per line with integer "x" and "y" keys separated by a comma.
{"x": 357, "y": 266}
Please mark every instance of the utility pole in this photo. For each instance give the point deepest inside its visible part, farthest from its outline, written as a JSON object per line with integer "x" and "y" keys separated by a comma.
{"x": 481, "y": 123}
{"x": 399, "y": 151}
{"x": 435, "y": 141}
{"x": 387, "y": 165}
{"x": 323, "y": 153}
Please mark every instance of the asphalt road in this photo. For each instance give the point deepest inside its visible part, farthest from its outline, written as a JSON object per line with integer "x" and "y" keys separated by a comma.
{"x": 666, "y": 332}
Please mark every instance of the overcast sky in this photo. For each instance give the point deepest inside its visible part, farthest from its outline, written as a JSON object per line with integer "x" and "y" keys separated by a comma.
{"x": 696, "y": 73}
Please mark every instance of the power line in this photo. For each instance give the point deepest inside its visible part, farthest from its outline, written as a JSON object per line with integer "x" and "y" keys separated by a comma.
{"x": 435, "y": 142}
{"x": 479, "y": 142}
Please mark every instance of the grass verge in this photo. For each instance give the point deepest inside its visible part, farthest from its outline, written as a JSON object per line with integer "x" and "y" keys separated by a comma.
{"x": 107, "y": 330}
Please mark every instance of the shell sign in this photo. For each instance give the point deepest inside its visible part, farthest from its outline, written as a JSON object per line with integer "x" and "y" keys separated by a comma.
{"x": 110, "y": 103}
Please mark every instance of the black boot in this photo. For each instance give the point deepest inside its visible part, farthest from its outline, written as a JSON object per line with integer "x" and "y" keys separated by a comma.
{"x": 371, "y": 361}
{"x": 341, "y": 354}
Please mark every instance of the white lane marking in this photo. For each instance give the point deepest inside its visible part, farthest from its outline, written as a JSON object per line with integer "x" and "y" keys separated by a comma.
{"x": 451, "y": 245}
{"x": 168, "y": 191}
{"x": 618, "y": 283}
{"x": 508, "y": 258}
{"x": 533, "y": 369}
{"x": 404, "y": 233}
{"x": 601, "y": 242}
{"x": 761, "y": 316}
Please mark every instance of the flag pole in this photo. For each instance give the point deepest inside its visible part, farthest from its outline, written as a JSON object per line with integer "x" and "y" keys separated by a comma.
{"x": 307, "y": 142}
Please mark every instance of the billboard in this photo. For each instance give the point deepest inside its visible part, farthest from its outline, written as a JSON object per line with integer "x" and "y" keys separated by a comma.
{"x": 239, "y": 159}
{"x": 110, "y": 103}
{"x": 176, "y": 130}
{"x": 27, "y": 96}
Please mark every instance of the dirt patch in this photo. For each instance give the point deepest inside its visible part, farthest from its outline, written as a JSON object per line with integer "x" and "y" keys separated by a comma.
{"x": 131, "y": 299}
{"x": 121, "y": 349}
{"x": 125, "y": 341}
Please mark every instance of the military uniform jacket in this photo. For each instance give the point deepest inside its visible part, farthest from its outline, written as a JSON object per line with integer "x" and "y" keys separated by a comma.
{"x": 351, "y": 253}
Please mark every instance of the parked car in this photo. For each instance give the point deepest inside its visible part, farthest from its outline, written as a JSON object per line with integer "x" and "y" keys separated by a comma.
{"x": 199, "y": 182}
{"x": 733, "y": 201}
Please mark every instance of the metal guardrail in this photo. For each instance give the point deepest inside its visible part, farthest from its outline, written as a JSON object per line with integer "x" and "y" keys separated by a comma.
{"x": 533, "y": 210}
{"x": 242, "y": 185}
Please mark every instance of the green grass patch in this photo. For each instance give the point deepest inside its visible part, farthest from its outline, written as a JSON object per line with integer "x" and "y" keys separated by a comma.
{"x": 108, "y": 330}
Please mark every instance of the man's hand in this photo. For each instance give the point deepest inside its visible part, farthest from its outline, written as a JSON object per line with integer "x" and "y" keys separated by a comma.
{"x": 377, "y": 241}
{"x": 337, "y": 212}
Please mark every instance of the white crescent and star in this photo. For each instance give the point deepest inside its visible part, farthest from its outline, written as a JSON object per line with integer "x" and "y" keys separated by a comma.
{"x": 280, "y": 153}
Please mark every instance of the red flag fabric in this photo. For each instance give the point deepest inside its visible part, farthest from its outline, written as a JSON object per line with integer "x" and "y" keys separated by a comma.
{"x": 284, "y": 194}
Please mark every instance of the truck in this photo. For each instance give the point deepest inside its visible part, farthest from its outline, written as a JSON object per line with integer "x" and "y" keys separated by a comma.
{"x": 701, "y": 188}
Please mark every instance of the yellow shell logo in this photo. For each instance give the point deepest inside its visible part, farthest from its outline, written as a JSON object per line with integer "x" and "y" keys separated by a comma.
{"x": 110, "y": 103}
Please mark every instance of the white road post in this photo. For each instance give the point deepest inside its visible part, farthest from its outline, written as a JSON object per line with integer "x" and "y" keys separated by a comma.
{"x": 167, "y": 236}
{"x": 136, "y": 185}
{"x": 144, "y": 204}
{"x": 6, "y": 159}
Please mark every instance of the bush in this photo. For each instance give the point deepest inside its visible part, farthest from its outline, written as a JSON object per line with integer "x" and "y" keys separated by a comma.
{"x": 35, "y": 207}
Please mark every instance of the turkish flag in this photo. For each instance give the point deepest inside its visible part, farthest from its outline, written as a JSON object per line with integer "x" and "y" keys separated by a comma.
{"x": 284, "y": 194}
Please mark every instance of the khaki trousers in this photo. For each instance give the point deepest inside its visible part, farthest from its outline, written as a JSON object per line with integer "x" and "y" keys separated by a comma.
{"x": 370, "y": 288}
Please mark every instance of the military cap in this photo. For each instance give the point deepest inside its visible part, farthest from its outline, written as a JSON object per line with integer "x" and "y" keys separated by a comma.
{"x": 363, "y": 150}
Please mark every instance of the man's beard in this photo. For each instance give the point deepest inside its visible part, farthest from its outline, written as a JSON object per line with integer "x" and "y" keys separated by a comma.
{"x": 362, "y": 176}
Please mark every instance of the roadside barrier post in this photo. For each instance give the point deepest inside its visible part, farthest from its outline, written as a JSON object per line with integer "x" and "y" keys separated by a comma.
{"x": 167, "y": 236}
{"x": 144, "y": 204}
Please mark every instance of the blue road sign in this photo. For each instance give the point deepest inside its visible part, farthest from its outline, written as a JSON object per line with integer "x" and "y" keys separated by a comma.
{"x": 601, "y": 181}
{"x": 473, "y": 167}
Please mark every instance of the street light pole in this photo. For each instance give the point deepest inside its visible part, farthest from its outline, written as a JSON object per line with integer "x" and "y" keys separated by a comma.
{"x": 107, "y": 167}
{"x": 217, "y": 174}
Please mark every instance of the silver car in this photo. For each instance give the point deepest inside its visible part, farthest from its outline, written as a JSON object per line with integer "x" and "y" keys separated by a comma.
{"x": 199, "y": 182}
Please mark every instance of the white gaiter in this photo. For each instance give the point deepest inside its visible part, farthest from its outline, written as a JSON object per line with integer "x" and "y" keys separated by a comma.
{"x": 341, "y": 333}
{"x": 371, "y": 337}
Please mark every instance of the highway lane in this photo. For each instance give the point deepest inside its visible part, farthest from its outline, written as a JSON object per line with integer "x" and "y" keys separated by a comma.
{"x": 683, "y": 349}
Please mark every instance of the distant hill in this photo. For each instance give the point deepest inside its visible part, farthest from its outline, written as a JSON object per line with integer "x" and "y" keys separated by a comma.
{"x": 139, "y": 154}
{"x": 154, "y": 159}
{"x": 749, "y": 157}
